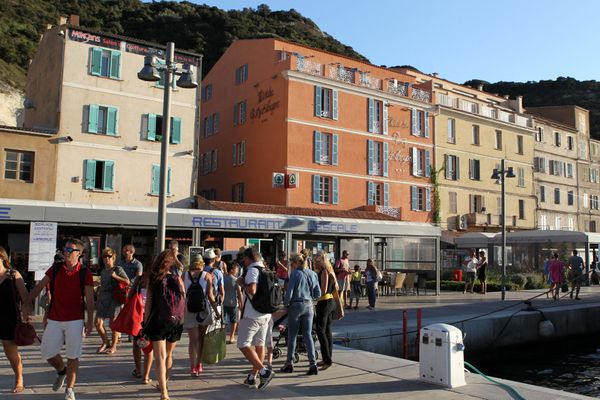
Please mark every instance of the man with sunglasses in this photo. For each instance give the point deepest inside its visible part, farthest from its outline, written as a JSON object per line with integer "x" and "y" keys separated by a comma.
{"x": 70, "y": 283}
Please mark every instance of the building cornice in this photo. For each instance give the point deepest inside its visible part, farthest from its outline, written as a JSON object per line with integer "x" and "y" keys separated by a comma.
{"x": 489, "y": 121}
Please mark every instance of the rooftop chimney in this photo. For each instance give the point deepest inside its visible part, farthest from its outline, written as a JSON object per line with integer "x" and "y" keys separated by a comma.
{"x": 74, "y": 19}
{"x": 506, "y": 97}
{"x": 435, "y": 74}
{"x": 480, "y": 87}
{"x": 520, "y": 109}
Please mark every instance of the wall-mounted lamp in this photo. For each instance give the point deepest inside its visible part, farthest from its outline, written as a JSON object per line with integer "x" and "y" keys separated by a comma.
{"x": 189, "y": 152}
{"x": 65, "y": 139}
{"x": 133, "y": 148}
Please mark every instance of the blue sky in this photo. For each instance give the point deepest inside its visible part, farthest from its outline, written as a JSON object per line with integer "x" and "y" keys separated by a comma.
{"x": 509, "y": 40}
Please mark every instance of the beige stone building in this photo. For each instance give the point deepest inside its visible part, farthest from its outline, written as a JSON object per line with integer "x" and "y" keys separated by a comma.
{"x": 84, "y": 85}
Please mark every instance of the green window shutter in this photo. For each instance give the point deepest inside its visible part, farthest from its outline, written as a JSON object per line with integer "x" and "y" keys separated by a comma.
{"x": 414, "y": 119}
{"x": 175, "y": 130}
{"x": 151, "y": 130}
{"x": 169, "y": 174}
{"x": 385, "y": 118}
{"x": 245, "y": 72}
{"x": 108, "y": 180}
{"x": 371, "y": 112}
{"x": 90, "y": 174}
{"x": 334, "y": 191}
{"x": 428, "y": 199}
{"x": 236, "y": 115}
{"x": 415, "y": 161}
{"x": 317, "y": 144}
{"x": 95, "y": 60}
{"x": 112, "y": 121}
{"x": 385, "y": 159}
{"x": 318, "y": 94}
{"x": 316, "y": 188}
{"x": 243, "y": 112}
{"x": 155, "y": 179}
{"x": 243, "y": 152}
{"x": 115, "y": 64}
{"x": 386, "y": 194}
{"x": 371, "y": 156}
{"x": 334, "y": 149}
{"x": 93, "y": 111}
{"x": 426, "y": 117}
{"x": 370, "y": 193}
{"x": 414, "y": 200}
{"x": 335, "y": 104}
{"x": 427, "y": 163}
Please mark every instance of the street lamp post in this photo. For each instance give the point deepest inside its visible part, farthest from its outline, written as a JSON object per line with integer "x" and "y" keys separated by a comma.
{"x": 151, "y": 73}
{"x": 501, "y": 175}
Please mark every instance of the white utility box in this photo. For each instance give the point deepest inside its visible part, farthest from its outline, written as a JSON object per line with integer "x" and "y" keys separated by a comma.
{"x": 441, "y": 358}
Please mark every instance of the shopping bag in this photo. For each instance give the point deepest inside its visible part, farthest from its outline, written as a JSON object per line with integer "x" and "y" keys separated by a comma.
{"x": 119, "y": 291}
{"x": 129, "y": 320}
{"x": 25, "y": 334}
{"x": 214, "y": 349}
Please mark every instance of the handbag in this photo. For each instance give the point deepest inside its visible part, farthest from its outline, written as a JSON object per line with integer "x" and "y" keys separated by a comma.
{"x": 130, "y": 317}
{"x": 24, "y": 333}
{"x": 215, "y": 348}
{"x": 119, "y": 291}
{"x": 338, "y": 312}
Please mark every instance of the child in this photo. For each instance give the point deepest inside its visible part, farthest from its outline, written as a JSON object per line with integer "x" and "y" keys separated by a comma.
{"x": 356, "y": 286}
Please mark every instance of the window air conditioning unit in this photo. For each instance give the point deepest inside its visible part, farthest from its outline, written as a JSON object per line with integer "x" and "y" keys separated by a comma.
{"x": 462, "y": 223}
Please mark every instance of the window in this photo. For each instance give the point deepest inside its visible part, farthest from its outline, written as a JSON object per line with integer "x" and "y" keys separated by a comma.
{"x": 325, "y": 147}
{"x": 452, "y": 206}
{"x": 571, "y": 224}
{"x": 206, "y": 92}
{"x": 557, "y": 196}
{"x": 594, "y": 202}
{"x": 476, "y": 203}
{"x": 451, "y": 130}
{"x": 154, "y": 128}
{"x": 557, "y": 139}
{"x": 377, "y": 116}
{"x": 475, "y": 135}
{"x": 155, "y": 189}
{"x": 419, "y": 123}
{"x": 325, "y": 189}
{"x": 239, "y": 153}
{"x": 570, "y": 144}
{"x": 521, "y": 177}
{"x": 539, "y": 164}
{"x": 585, "y": 200}
{"x": 420, "y": 198}
{"x": 210, "y": 125}
{"x": 377, "y": 162}
{"x": 18, "y": 165}
{"x": 592, "y": 226}
{"x": 594, "y": 175}
{"x": 209, "y": 194}
{"x": 102, "y": 120}
{"x": 326, "y": 103}
{"x": 474, "y": 170}
{"x": 569, "y": 170}
{"x": 557, "y": 168}
{"x": 542, "y": 194}
{"x": 239, "y": 113}
{"x": 452, "y": 167}
{"x": 498, "y": 140}
{"x": 378, "y": 194}
{"x": 208, "y": 161}
{"x": 99, "y": 175}
{"x": 539, "y": 135}
{"x": 241, "y": 74}
{"x": 421, "y": 162}
{"x": 543, "y": 222}
{"x": 570, "y": 198}
{"x": 521, "y": 209}
{"x": 237, "y": 192}
{"x": 557, "y": 223}
{"x": 519, "y": 144}
{"x": 106, "y": 63}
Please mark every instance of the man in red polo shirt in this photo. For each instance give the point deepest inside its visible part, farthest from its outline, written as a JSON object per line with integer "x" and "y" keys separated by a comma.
{"x": 66, "y": 314}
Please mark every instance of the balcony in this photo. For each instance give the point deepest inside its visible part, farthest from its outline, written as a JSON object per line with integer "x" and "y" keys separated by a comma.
{"x": 398, "y": 89}
{"x": 309, "y": 67}
{"x": 484, "y": 110}
{"x": 483, "y": 219}
{"x": 341, "y": 74}
{"x": 370, "y": 82}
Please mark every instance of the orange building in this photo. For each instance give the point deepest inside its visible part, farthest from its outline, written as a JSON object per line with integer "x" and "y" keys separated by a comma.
{"x": 290, "y": 125}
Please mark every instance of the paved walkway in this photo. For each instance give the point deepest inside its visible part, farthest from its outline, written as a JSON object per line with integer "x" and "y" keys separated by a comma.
{"x": 355, "y": 375}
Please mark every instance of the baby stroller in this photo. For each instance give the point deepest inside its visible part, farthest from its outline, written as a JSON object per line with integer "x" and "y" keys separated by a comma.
{"x": 280, "y": 342}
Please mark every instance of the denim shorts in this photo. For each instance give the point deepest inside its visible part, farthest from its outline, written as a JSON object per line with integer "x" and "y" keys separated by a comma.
{"x": 230, "y": 314}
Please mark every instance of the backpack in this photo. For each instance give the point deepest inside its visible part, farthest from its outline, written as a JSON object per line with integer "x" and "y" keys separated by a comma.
{"x": 196, "y": 299}
{"x": 82, "y": 273}
{"x": 269, "y": 295}
{"x": 170, "y": 303}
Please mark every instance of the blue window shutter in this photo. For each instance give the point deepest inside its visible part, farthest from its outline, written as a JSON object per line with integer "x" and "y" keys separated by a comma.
{"x": 151, "y": 134}
{"x": 155, "y": 179}
{"x": 169, "y": 181}
{"x": 318, "y": 94}
{"x": 386, "y": 194}
{"x": 385, "y": 159}
{"x": 428, "y": 199}
{"x": 414, "y": 200}
{"x": 236, "y": 115}
{"x": 334, "y": 149}
{"x": 317, "y": 142}
{"x": 413, "y": 122}
{"x": 234, "y": 154}
{"x": 115, "y": 64}
{"x": 175, "y": 130}
{"x": 426, "y": 124}
{"x": 371, "y": 157}
{"x": 457, "y": 168}
{"x": 216, "y": 123}
{"x": 415, "y": 161}
{"x": 385, "y": 118}
{"x": 334, "y": 191}
{"x": 210, "y": 125}
{"x": 93, "y": 112}
{"x": 90, "y": 174}
{"x": 109, "y": 176}
{"x": 316, "y": 188}
{"x": 95, "y": 60}
{"x": 243, "y": 152}
{"x": 112, "y": 121}
{"x": 335, "y": 104}
{"x": 427, "y": 162}
{"x": 243, "y": 112}
{"x": 371, "y": 111}
{"x": 370, "y": 193}
{"x": 245, "y": 72}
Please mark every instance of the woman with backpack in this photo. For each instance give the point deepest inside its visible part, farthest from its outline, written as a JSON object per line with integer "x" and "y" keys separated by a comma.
{"x": 163, "y": 314}
{"x": 106, "y": 305}
{"x": 325, "y": 307}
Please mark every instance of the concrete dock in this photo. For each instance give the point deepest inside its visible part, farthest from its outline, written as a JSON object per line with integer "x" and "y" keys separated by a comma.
{"x": 356, "y": 374}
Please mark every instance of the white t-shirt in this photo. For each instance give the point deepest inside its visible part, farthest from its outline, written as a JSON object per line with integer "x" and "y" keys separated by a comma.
{"x": 252, "y": 275}
{"x": 472, "y": 264}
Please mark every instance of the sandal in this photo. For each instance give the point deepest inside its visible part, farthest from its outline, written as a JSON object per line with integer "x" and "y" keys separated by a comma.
{"x": 147, "y": 381}
{"x": 18, "y": 389}
{"x": 101, "y": 349}
{"x": 136, "y": 374}
{"x": 110, "y": 351}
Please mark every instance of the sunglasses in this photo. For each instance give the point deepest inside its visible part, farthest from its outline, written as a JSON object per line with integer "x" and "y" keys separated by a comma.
{"x": 70, "y": 250}
{"x": 108, "y": 256}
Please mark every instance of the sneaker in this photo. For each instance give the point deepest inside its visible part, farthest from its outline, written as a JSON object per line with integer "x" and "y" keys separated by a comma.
{"x": 59, "y": 382}
{"x": 287, "y": 369}
{"x": 69, "y": 394}
{"x": 265, "y": 379}
{"x": 250, "y": 381}
{"x": 199, "y": 368}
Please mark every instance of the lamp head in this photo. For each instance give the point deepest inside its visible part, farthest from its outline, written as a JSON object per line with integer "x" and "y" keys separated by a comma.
{"x": 496, "y": 174}
{"x": 510, "y": 173}
{"x": 149, "y": 73}
{"x": 188, "y": 79}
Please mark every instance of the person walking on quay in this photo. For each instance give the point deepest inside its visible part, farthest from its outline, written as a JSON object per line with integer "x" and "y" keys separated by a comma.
{"x": 106, "y": 305}
{"x": 556, "y": 272}
{"x": 210, "y": 260}
{"x": 342, "y": 270}
{"x": 163, "y": 314}
{"x": 371, "y": 274}
{"x": 232, "y": 302}
{"x": 355, "y": 282}
{"x": 12, "y": 290}
{"x": 307, "y": 257}
{"x": 547, "y": 274}
{"x": 303, "y": 289}
{"x": 575, "y": 274}
{"x": 132, "y": 267}
{"x": 254, "y": 324}
{"x": 325, "y": 307}
{"x": 470, "y": 262}
{"x": 281, "y": 268}
{"x": 180, "y": 261}
{"x": 481, "y": 271}
{"x": 139, "y": 287}
{"x": 70, "y": 284}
